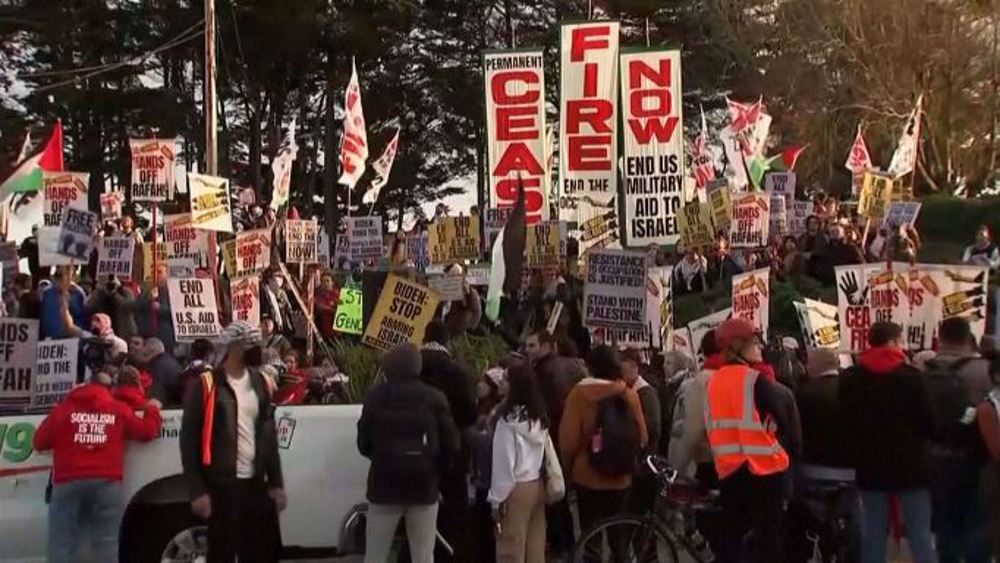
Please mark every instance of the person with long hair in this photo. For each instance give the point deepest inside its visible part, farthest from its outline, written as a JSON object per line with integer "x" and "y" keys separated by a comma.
{"x": 517, "y": 491}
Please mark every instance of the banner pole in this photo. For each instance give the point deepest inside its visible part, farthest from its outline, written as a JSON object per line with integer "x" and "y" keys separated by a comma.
{"x": 647, "y": 32}
{"x": 156, "y": 283}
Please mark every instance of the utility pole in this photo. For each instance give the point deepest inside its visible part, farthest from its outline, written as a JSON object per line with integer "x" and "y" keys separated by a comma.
{"x": 211, "y": 119}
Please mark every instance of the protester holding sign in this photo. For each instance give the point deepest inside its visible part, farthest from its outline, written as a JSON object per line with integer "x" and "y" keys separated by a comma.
{"x": 327, "y": 297}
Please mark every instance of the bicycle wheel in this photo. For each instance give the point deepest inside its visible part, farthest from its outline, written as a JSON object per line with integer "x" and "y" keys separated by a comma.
{"x": 627, "y": 539}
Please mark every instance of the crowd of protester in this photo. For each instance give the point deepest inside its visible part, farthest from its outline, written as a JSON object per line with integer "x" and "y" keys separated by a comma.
{"x": 479, "y": 458}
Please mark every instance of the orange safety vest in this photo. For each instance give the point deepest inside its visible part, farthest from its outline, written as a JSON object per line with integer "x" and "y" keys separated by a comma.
{"x": 735, "y": 430}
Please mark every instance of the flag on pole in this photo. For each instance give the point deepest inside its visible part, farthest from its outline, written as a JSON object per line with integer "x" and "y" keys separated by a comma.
{"x": 354, "y": 149}
{"x": 904, "y": 160}
{"x": 382, "y": 167}
{"x": 701, "y": 161}
{"x": 281, "y": 168}
{"x": 858, "y": 160}
{"x": 790, "y": 156}
{"x": 27, "y": 176}
{"x": 507, "y": 257}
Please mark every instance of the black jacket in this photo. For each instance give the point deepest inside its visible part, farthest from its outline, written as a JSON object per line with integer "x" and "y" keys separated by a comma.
{"x": 267, "y": 463}
{"x": 822, "y": 434}
{"x": 556, "y": 377}
{"x": 166, "y": 372}
{"x": 443, "y": 373}
{"x": 386, "y": 482}
{"x": 888, "y": 421}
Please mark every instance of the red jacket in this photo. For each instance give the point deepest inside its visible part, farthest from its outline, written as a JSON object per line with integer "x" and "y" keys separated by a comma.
{"x": 87, "y": 434}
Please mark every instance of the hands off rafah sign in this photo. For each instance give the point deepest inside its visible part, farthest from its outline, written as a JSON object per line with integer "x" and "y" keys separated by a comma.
{"x": 60, "y": 191}
{"x": 187, "y": 247}
{"x": 751, "y": 298}
{"x": 588, "y": 135}
{"x": 615, "y": 289}
{"x": 454, "y": 239}
{"x": 751, "y": 221}
{"x": 246, "y": 299}
{"x": 653, "y": 151}
{"x": 515, "y": 129}
{"x": 253, "y": 252}
{"x": 114, "y": 257}
{"x": 195, "y": 311}
{"x": 152, "y": 169}
{"x": 18, "y": 346}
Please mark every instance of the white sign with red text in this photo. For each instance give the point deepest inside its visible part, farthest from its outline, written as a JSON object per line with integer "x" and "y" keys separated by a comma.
{"x": 514, "y": 82}
{"x": 653, "y": 151}
{"x": 751, "y": 301}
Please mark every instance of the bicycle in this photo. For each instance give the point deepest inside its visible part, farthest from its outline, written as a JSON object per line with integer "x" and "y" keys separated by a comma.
{"x": 660, "y": 536}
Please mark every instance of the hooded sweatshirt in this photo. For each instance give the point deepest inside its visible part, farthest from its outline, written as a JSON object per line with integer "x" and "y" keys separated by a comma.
{"x": 887, "y": 421}
{"x": 578, "y": 425}
{"x": 87, "y": 434}
{"x": 518, "y": 453}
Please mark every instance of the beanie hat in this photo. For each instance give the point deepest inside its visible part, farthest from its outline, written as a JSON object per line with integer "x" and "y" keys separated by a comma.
{"x": 101, "y": 324}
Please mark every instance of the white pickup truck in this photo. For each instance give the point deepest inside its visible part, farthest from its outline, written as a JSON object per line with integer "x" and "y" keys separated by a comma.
{"x": 325, "y": 480}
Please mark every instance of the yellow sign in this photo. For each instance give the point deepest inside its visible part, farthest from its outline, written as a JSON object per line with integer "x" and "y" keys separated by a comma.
{"x": 147, "y": 259}
{"x": 876, "y": 194}
{"x": 542, "y": 245}
{"x": 454, "y": 239}
{"x": 403, "y": 310}
{"x": 721, "y": 203}
{"x": 229, "y": 257}
{"x": 696, "y": 225}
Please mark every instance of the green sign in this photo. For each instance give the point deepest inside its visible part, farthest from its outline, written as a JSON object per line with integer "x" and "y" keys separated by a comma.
{"x": 348, "y": 318}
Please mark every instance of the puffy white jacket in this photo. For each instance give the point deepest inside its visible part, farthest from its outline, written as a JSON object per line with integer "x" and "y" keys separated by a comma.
{"x": 518, "y": 454}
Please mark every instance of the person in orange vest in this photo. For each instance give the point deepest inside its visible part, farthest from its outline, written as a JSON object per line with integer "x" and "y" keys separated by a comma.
{"x": 743, "y": 417}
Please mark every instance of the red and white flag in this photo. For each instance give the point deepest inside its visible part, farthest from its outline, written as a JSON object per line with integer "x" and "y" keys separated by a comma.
{"x": 904, "y": 160}
{"x": 701, "y": 160}
{"x": 859, "y": 159}
{"x": 354, "y": 149}
{"x": 382, "y": 166}
{"x": 281, "y": 168}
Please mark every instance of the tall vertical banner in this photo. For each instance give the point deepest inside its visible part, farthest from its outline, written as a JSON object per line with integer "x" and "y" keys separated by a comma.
{"x": 514, "y": 83}
{"x": 153, "y": 169}
{"x": 60, "y": 191}
{"x": 210, "y": 203}
{"x": 751, "y": 221}
{"x": 751, "y": 298}
{"x": 246, "y": 299}
{"x": 588, "y": 136}
{"x": 18, "y": 345}
{"x": 195, "y": 312}
{"x": 653, "y": 151}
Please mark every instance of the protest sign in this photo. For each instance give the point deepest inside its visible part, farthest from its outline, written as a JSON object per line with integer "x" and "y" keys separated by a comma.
{"x": 76, "y": 237}
{"x": 478, "y": 275}
{"x": 588, "y": 125}
{"x": 114, "y": 257}
{"x": 938, "y": 292}
{"x": 659, "y": 304}
{"x": 49, "y": 239}
{"x": 542, "y": 245}
{"x": 401, "y": 314}
{"x": 781, "y": 183}
{"x": 195, "y": 313}
{"x": 700, "y": 327}
{"x": 300, "y": 241}
{"x": 653, "y": 149}
{"x": 492, "y": 225}
{"x": 147, "y": 260}
{"x": 246, "y": 299}
{"x": 454, "y": 239}
{"x": 799, "y": 212}
{"x": 229, "y": 257}
{"x": 751, "y": 221}
{"x": 365, "y": 237}
{"x": 867, "y": 294}
{"x": 342, "y": 253}
{"x": 751, "y": 298}
{"x": 615, "y": 289}
{"x": 55, "y": 371}
{"x": 62, "y": 190}
{"x": 10, "y": 262}
{"x": 778, "y": 218}
{"x": 448, "y": 287}
{"x": 348, "y": 318}
{"x": 111, "y": 206}
{"x": 720, "y": 200}
{"x": 210, "y": 203}
{"x": 600, "y": 231}
{"x": 696, "y": 225}
{"x": 902, "y": 213}
{"x": 820, "y": 325}
{"x": 514, "y": 84}
{"x": 876, "y": 192}
{"x": 18, "y": 347}
{"x": 323, "y": 248}
{"x": 152, "y": 169}
{"x": 253, "y": 252}
{"x": 187, "y": 247}
{"x": 680, "y": 341}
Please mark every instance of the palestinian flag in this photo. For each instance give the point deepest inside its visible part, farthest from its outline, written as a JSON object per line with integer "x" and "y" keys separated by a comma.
{"x": 27, "y": 176}
{"x": 507, "y": 258}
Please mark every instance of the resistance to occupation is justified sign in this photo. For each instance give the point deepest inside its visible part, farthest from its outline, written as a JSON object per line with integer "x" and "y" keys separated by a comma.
{"x": 615, "y": 291}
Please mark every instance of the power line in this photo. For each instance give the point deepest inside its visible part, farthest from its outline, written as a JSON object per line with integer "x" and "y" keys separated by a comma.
{"x": 185, "y": 36}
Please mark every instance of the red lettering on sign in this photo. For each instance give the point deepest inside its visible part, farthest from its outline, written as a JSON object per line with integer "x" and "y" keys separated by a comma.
{"x": 595, "y": 113}
{"x": 591, "y": 152}
{"x": 500, "y": 92}
{"x": 583, "y": 39}
{"x": 517, "y": 123}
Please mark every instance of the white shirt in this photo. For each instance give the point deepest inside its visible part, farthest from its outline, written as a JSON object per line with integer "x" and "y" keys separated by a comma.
{"x": 247, "y": 409}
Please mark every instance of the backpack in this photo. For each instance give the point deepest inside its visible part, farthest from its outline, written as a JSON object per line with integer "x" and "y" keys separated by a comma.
{"x": 614, "y": 445}
{"x": 955, "y": 431}
{"x": 408, "y": 445}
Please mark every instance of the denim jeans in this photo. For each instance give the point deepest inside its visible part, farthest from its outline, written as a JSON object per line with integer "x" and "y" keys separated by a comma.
{"x": 875, "y": 524}
{"x": 81, "y": 511}
{"x": 959, "y": 513}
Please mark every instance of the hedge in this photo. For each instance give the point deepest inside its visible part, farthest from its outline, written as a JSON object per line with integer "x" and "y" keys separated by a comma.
{"x": 945, "y": 218}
